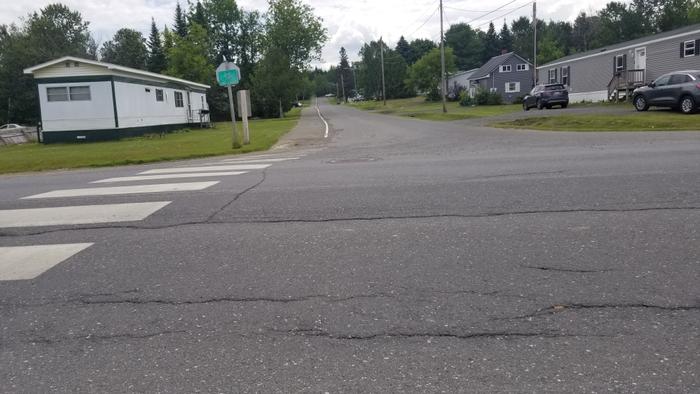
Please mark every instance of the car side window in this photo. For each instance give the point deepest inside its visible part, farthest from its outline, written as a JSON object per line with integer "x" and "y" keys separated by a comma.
{"x": 678, "y": 79}
{"x": 662, "y": 81}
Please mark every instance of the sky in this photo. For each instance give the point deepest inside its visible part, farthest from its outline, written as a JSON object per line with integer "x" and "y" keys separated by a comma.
{"x": 350, "y": 23}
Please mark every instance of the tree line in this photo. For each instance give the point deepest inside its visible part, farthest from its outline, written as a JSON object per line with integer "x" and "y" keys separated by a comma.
{"x": 273, "y": 50}
{"x": 414, "y": 66}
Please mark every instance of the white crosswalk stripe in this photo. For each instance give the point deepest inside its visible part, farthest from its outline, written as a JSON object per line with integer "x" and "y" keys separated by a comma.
{"x": 122, "y": 190}
{"x": 81, "y": 214}
{"x": 253, "y": 161}
{"x": 169, "y": 176}
{"x": 28, "y": 262}
{"x": 176, "y": 170}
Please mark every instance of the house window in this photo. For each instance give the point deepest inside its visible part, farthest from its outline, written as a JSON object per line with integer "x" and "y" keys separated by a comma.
{"x": 522, "y": 67}
{"x": 79, "y": 93}
{"x": 506, "y": 68}
{"x": 512, "y": 87}
{"x": 493, "y": 90}
{"x": 73, "y": 93}
{"x": 57, "y": 94}
{"x": 552, "y": 75}
{"x": 565, "y": 75}
{"x": 689, "y": 48}
{"x": 159, "y": 94}
{"x": 178, "y": 100}
{"x": 619, "y": 62}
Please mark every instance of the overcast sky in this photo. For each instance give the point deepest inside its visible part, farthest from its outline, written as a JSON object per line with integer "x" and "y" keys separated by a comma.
{"x": 349, "y": 22}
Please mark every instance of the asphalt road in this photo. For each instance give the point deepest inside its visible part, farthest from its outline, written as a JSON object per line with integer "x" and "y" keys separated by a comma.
{"x": 396, "y": 256}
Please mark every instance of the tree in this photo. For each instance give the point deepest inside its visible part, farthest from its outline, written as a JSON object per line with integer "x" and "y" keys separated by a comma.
{"x": 250, "y": 41}
{"x": 466, "y": 45}
{"x": 127, "y": 48}
{"x": 505, "y": 38}
{"x": 293, "y": 29}
{"x": 584, "y": 31}
{"x": 345, "y": 75}
{"x": 404, "y": 49}
{"x": 198, "y": 16}
{"x": 224, "y": 19}
{"x": 275, "y": 83}
{"x": 419, "y": 48}
{"x": 188, "y": 57}
{"x": 492, "y": 45}
{"x": 521, "y": 30}
{"x": 180, "y": 23}
{"x": 156, "y": 61}
{"x": 425, "y": 74}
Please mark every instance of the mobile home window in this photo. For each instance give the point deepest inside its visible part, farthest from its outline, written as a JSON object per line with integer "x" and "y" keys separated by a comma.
{"x": 552, "y": 75}
{"x": 565, "y": 75}
{"x": 506, "y": 68}
{"x": 79, "y": 93}
{"x": 159, "y": 94}
{"x": 619, "y": 63}
{"x": 178, "y": 100}
{"x": 689, "y": 48}
{"x": 512, "y": 87}
{"x": 57, "y": 94}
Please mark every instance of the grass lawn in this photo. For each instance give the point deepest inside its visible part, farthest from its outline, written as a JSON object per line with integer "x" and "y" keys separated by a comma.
{"x": 417, "y": 107}
{"x": 183, "y": 144}
{"x": 643, "y": 121}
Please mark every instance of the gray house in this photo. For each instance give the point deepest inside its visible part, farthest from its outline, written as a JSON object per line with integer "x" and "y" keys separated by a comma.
{"x": 459, "y": 81}
{"x": 611, "y": 72}
{"x": 509, "y": 75}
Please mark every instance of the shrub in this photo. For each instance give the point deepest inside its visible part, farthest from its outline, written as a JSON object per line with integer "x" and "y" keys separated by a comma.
{"x": 465, "y": 100}
{"x": 494, "y": 99}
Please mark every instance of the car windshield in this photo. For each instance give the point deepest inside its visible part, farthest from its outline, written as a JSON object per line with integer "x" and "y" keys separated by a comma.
{"x": 554, "y": 87}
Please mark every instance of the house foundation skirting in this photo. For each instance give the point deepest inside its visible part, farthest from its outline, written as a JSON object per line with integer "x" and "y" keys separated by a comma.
{"x": 50, "y": 137}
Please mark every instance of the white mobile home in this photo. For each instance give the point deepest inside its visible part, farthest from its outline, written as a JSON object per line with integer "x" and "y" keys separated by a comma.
{"x": 87, "y": 100}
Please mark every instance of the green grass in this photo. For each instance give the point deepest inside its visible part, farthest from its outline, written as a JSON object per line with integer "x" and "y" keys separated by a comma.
{"x": 417, "y": 107}
{"x": 183, "y": 144}
{"x": 646, "y": 121}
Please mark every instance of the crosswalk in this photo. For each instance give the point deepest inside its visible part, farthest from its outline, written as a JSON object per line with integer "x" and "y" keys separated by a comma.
{"x": 29, "y": 261}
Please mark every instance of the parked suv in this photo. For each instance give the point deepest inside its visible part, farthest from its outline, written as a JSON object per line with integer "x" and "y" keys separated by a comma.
{"x": 545, "y": 96}
{"x": 678, "y": 90}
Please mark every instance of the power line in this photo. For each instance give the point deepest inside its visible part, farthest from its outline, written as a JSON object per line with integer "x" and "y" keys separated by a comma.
{"x": 506, "y": 14}
{"x": 491, "y": 12}
{"x": 426, "y": 21}
{"x": 467, "y": 11}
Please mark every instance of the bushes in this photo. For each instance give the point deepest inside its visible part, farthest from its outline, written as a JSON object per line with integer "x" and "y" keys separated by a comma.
{"x": 482, "y": 97}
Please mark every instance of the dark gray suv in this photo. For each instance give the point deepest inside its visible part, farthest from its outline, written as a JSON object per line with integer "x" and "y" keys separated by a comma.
{"x": 678, "y": 90}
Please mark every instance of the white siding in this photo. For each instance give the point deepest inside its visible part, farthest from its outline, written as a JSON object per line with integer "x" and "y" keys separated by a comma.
{"x": 60, "y": 70}
{"x": 137, "y": 107}
{"x": 95, "y": 114}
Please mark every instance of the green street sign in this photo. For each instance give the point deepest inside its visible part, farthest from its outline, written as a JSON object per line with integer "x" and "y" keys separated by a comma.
{"x": 228, "y": 74}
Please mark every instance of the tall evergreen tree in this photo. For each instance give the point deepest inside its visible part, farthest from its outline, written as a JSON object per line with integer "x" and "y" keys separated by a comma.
{"x": 492, "y": 45}
{"x": 156, "y": 56}
{"x": 404, "y": 49}
{"x": 197, "y": 15}
{"x": 180, "y": 24}
{"x": 344, "y": 75}
{"x": 505, "y": 38}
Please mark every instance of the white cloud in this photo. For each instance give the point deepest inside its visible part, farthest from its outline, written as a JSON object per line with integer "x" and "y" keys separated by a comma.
{"x": 349, "y": 23}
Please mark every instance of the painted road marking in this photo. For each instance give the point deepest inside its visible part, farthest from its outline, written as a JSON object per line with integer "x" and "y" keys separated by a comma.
{"x": 168, "y": 176}
{"x": 121, "y": 190}
{"x": 240, "y": 167}
{"x": 325, "y": 135}
{"x": 84, "y": 214}
{"x": 28, "y": 262}
{"x": 244, "y": 161}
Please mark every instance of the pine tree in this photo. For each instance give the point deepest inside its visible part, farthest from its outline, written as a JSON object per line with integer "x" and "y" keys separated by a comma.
{"x": 404, "y": 49}
{"x": 156, "y": 61}
{"x": 506, "y": 38}
{"x": 491, "y": 44}
{"x": 180, "y": 21}
{"x": 346, "y": 73}
{"x": 198, "y": 16}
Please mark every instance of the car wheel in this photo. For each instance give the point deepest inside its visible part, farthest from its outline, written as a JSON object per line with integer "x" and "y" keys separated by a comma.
{"x": 539, "y": 104}
{"x": 640, "y": 103}
{"x": 687, "y": 105}
{"x": 549, "y": 107}
{"x": 565, "y": 105}
{"x": 525, "y": 107}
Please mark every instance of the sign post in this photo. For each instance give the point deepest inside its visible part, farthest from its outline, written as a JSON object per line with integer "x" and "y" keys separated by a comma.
{"x": 244, "y": 110}
{"x": 228, "y": 74}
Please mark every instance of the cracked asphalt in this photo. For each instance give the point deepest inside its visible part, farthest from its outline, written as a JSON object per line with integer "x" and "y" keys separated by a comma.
{"x": 398, "y": 256}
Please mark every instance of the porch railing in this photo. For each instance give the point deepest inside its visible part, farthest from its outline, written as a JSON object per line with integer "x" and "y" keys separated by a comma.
{"x": 625, "y": 80}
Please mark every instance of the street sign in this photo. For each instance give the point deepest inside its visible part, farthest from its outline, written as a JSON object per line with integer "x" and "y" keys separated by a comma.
{"x": 228, "y": 74}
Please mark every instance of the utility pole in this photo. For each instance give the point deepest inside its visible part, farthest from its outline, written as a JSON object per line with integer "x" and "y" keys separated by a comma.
{"x": 381, "y": 54}
{"x": 443, "y": 84}
{"x": 342, "y": 82}
{"x": 354, "y": 78}
{"x": 534, "y": 46}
